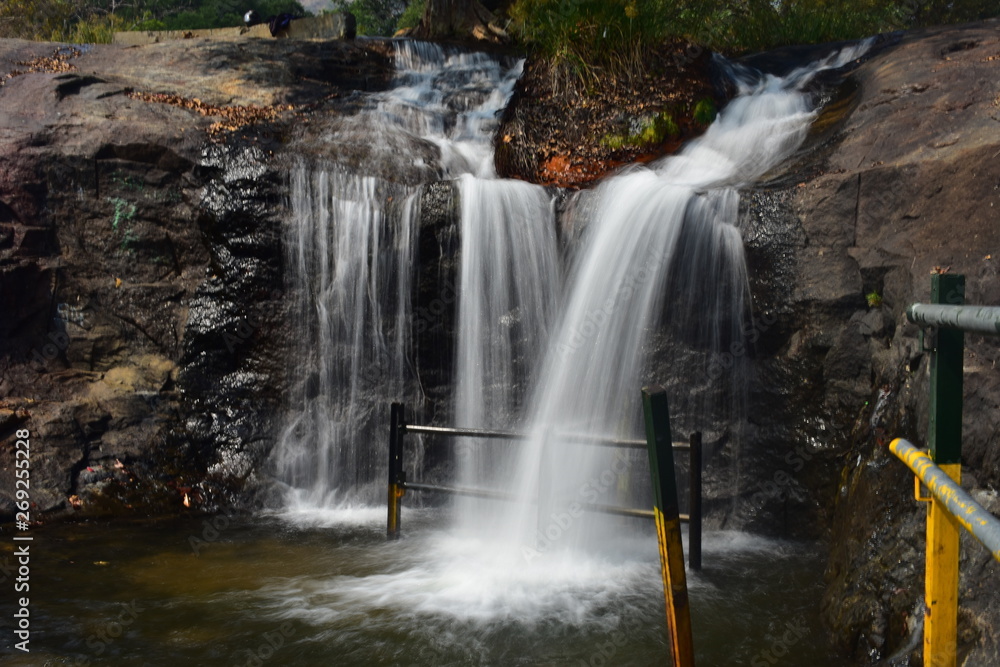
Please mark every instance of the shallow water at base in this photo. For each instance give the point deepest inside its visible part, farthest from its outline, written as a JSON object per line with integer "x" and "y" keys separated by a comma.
{"x": 328, "y": 590}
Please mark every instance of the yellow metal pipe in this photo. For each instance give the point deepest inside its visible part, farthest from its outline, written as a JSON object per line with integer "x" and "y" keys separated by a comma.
{"x": 967, "y": 512}
{"x": 941, "y": 580}
{"x": 950, "y": 508}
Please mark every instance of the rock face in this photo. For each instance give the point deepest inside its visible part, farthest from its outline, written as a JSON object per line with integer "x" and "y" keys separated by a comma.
{"x": 900, "y": 179}
{"x": 570, "y": 130}
{"x": 141, "y": 263}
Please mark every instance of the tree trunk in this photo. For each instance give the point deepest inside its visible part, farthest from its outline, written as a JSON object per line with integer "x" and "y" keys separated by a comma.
{"x": 458, "y": 19}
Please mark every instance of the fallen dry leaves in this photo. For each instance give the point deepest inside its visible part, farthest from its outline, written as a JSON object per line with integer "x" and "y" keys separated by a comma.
{"x": 233, "y": 117}
{"x": 59, "y": 61}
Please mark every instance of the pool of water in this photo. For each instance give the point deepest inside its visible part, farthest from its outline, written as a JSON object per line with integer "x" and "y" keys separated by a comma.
{"x": 327, "y": 589}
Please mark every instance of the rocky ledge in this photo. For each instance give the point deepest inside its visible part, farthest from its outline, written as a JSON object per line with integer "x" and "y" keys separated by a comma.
{"x": 141, "y": 195}
{"x": 570, "y": 127}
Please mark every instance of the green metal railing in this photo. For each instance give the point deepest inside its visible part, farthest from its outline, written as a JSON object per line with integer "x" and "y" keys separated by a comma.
{"x": 398, "y": 485}
{"x": 945, "y": 322}
{"x": 665, "y": 513}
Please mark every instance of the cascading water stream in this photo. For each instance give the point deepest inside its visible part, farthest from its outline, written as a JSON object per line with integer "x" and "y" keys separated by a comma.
{"x": 350, "y": 252}
{"x": 508, "y": 282}
{"x": 634, "y": 228}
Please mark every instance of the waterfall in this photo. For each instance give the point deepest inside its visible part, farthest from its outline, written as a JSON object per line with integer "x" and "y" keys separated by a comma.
{"x": 349, "y": 257}
{"x": 646, "y": 234}
{"x": 554, "y": 342}
{"x": 350, "y": 250}
{"x": 508, "y": 284}
{"x": 555, "y": 338}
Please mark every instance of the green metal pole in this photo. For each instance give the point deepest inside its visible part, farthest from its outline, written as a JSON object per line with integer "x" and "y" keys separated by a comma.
{"x": 668, "y": 524}
{"x": 945, "y": 430}
{"x": 944, "y": 436}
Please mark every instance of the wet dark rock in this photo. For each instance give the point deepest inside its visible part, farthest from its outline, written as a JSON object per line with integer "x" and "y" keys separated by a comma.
{"x": 143, "y": 342}
{"x": 898, "y": 178}
{"x": 436, "y": 296}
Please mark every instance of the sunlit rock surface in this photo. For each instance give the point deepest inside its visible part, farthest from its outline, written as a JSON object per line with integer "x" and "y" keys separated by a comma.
{"x": 900, "y": 179}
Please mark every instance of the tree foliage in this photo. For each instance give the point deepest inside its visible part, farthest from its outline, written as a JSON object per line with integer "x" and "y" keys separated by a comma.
{"x": 573, "y": 30}
{"x": 375, "y": 17}
{"x": 592, "y": 30}
{"x": 34, "y": 19}
{"x": 449, "y": 19}
{"x": 82, "y": 21}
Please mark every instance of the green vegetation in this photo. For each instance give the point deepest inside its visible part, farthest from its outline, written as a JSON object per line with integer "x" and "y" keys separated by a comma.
{"x": 705, "y": 111}
{"x": 375, "y": 17}
{"x": 610, "y": 35}
{"x": 96, "y": 21}
{"x": 223, "y": 13}
{"x": 652, "y": 131}
{"x": 874, "y": 299}
{"x": 411, "y": 15}
{"x": 124, "y": 211}
{"x": 597, "y": 32}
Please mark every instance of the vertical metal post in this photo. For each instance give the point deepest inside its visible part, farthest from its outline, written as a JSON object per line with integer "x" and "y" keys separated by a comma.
{"x": 945, "y": 440}
{"x": 694, "y": 524}
{"x": 397, "y": 425}
{"x": 668, "y": 524}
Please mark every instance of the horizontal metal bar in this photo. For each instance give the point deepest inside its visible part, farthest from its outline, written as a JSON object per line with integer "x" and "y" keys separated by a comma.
{"x": 623, "y": 443}
{"x": 501, "y": 495}
{"x": 465, "y": 491}
{"x": 512, "y": 435}
{"x": 626, "y": 511}
{"x": 973, "y": 319}
{"x": 618, "y": 511}
{"x": 971, "y": 515}
{"x": 465, "y": 432}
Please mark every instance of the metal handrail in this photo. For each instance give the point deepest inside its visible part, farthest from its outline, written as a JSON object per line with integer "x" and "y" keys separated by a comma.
{"x": 490, "y": 494}
{"x": 971, "y": 515}
{"x": 398, "y": 485}
{"x": 579, "y": 438}
{"x": 971, "y": 319}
